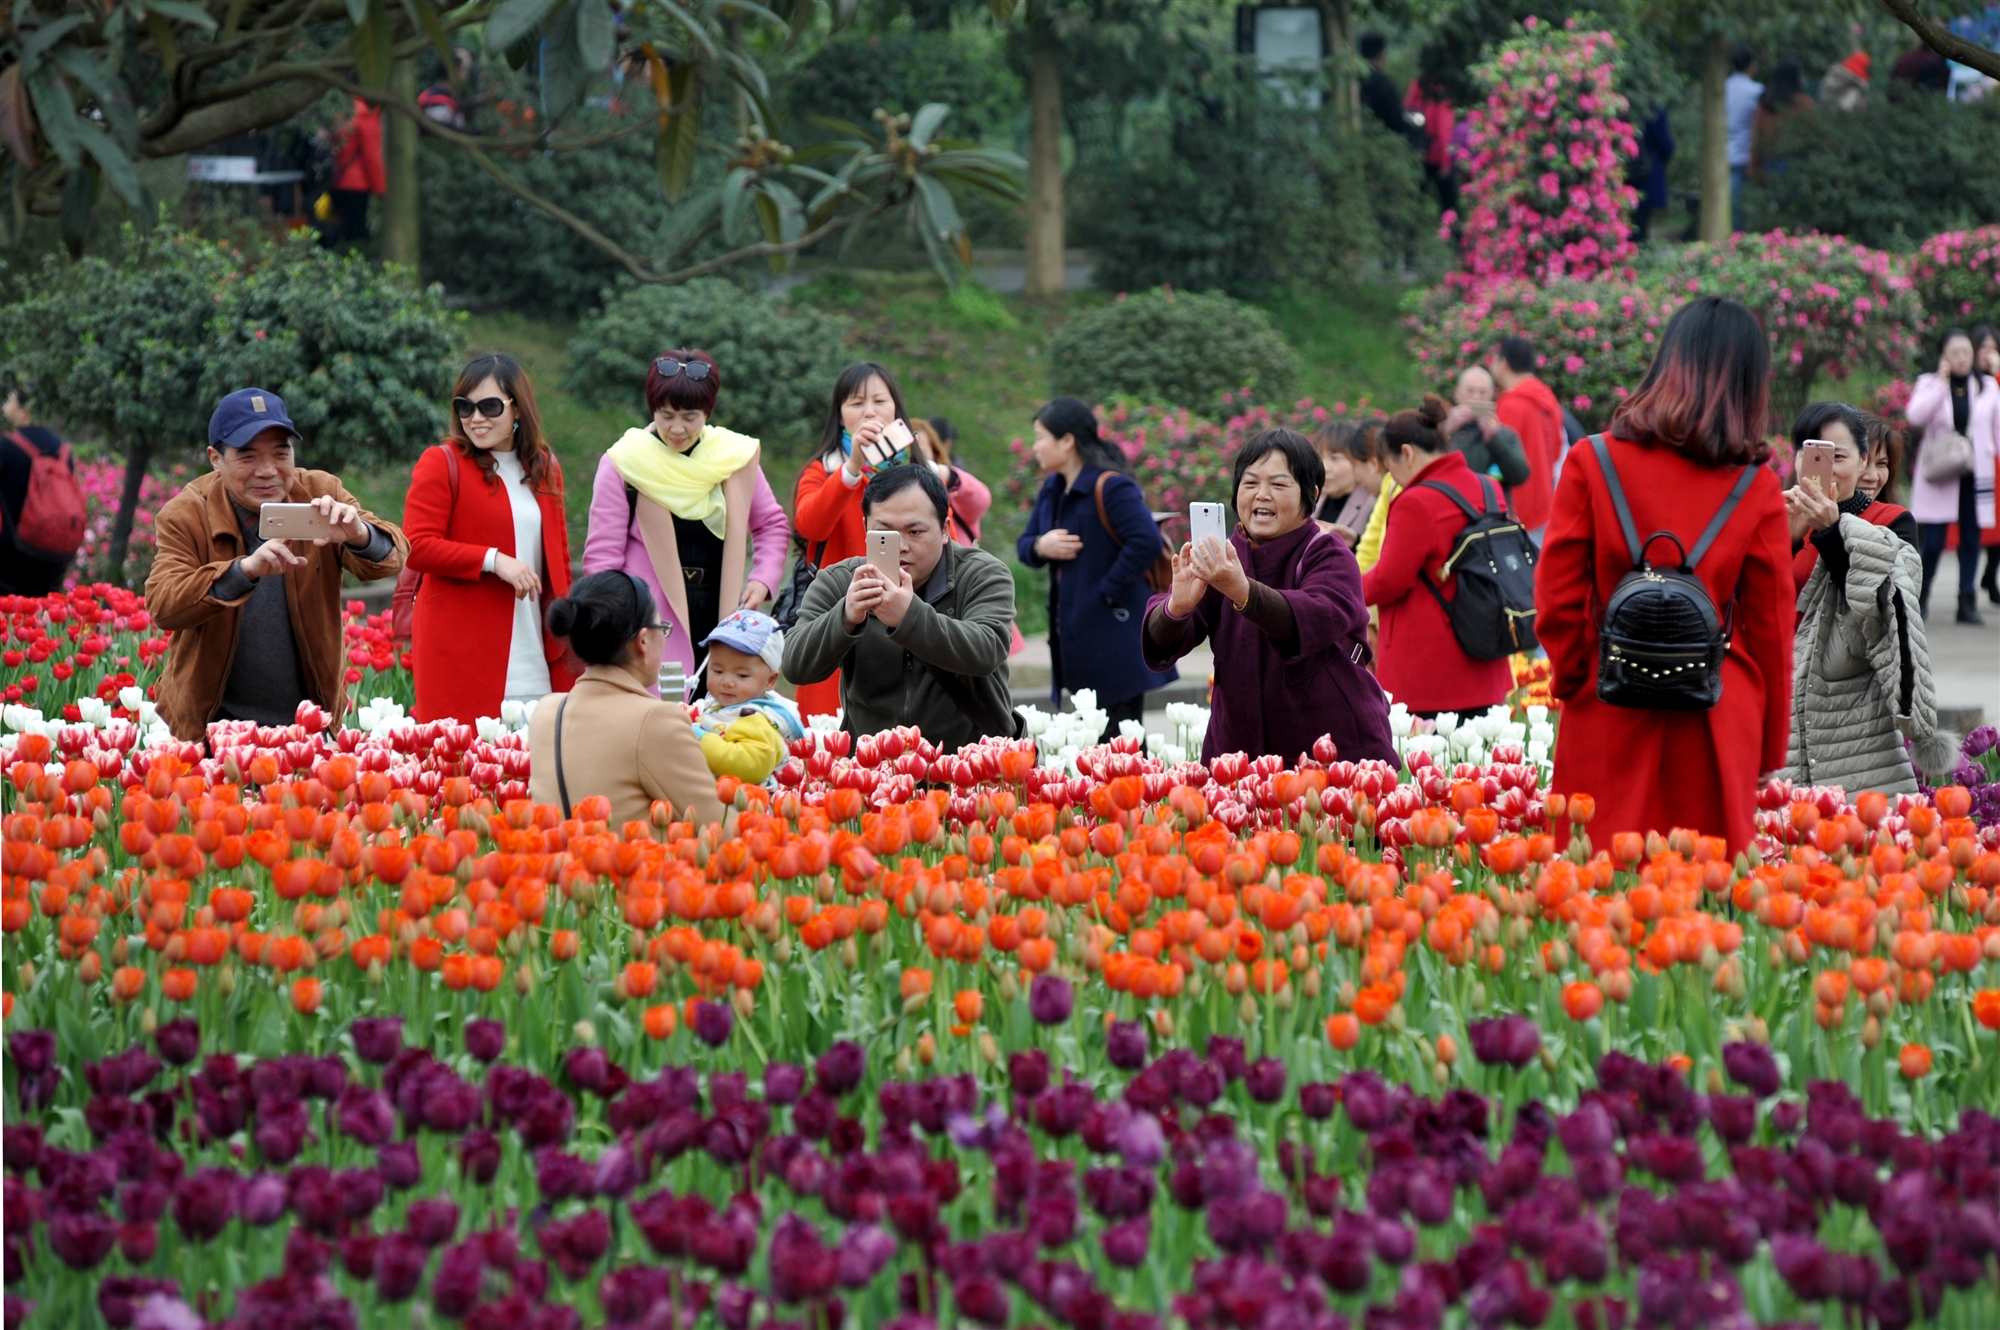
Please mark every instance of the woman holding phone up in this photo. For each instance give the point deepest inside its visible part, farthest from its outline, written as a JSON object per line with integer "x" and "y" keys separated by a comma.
{"x": 858, "y": 441}
{"x": 1861, "y": 677}
{"x": 485, "y": 520}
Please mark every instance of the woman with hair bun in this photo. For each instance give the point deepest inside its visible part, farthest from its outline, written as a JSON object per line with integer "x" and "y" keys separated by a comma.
{"x": 609, "y": 735}
{"x": 682, "y": 504}
{"x": 1419, "y": 660}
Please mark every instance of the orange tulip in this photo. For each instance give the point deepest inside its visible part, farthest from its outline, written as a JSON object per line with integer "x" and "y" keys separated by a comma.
{"x": 1373, "y": 1003}
{"x": 487, "y": 972}
{"x": 178, "y": 985}
{"x": 305, "y": 995}
{"x": 127, "y": 982}
{"x": 1343, "y": 1031}
{"x": 1582, "y": 808}
{"x": 1986, "y": 1007}
{"x": 661, "y": 1021}
{"x": 640, "y": 978}
{"x": 458, "y": 971}
{"x": 1582, "y": 1000}
{"x": 1914, "y": 1061}
{"x": 916, "y": 984}
{"x": 968, "y": 1004}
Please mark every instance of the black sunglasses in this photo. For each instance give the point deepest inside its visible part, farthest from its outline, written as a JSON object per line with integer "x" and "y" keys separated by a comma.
{"x": 490, "y": 407}
{"x": 668, "y": 367}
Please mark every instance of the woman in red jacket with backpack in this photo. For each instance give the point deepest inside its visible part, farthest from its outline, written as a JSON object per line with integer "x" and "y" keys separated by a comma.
{"x": 485, "y": 521}
{"x": 1679, "y": 446}
{"x": 1417, "y": 657}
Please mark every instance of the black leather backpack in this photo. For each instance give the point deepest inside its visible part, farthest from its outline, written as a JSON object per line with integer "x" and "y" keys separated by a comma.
{"x": 1661, "y": 641}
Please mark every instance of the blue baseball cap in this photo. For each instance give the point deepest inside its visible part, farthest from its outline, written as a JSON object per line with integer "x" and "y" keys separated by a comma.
{"x": 246, "y": 413}
{"x": 754, "y": 633}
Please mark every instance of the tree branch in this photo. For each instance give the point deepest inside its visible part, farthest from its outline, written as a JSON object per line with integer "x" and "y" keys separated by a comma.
{"x": 1941, "y": 39}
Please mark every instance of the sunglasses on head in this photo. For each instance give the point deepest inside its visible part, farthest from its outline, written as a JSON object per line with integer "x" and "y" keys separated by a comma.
{"x": 668, "y": 367}
{"x": 490, "y": 407}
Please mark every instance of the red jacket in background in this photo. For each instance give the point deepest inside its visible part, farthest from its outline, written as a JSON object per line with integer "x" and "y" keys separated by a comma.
{"x": 357, "y": 163}
{"x": 1418, "y": 658}
{"x": 463, "y": 627}
{"x": 1657, "y": 770}
{"x": 1530, "y": 409}
{"x": 825, "y": 508}
{"x": 1440, "y": 118}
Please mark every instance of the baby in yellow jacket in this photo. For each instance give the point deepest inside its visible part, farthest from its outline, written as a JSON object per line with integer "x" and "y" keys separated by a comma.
{"x": 743, "y": 721}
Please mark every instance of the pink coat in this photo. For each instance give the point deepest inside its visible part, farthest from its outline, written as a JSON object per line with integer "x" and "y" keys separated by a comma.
{"x": 1930, "y": 411}
{"x": 613, "y": 541}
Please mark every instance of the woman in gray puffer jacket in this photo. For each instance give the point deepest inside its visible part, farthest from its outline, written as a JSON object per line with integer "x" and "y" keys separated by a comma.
{"x": 1861, "y": 682}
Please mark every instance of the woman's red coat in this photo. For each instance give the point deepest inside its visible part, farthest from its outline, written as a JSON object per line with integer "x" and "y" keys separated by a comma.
{"x": 827, "y": 509}
{"x": 463, "y": 626}
{"x": 1418, "y": 658}
{"x": 1657, "y": 770}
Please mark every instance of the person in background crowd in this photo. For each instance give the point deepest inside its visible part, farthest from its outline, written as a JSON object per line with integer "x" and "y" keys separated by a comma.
{"x": 1378, "y": 93}
{"x": 1861, "y": 676}
{"x": 1844, "y": 87}
{"x": 1368, "y": 550}
{"x": 1353, "y": 479}
{"x": 970, "y": 499}
{"x": 1920, "y": 70}
{"x": 826, "y": 503}
{"x": 1092, "y": 530}
{"x": 1648, "y": 172}
{"x": 484, "y": 517}
{"x": 683, "y": 504}
{"x": 1986, "y": 355}
{"x": 1528, "y": 406}
{"x": 1955, "y": 400}
{"x": 1473, "y": 427}
{"x": 357, "y": 173}
{"x": 1428, "y": 98}
{"x": 1740, "y": 95}
{"x": 1679, "y": 445}
{"x": 1281, "y": 602}
{"x": 1422, "y": 665}
{"x": 256, "y": 623}
{"x": 1783, "y": 98}
{"x": 23, "y": 573}
{"x": 744, "y": 721}
{"x": 930, "y": 648}
{"x": 441, "y": 100}
{"x": 609, "y": 734}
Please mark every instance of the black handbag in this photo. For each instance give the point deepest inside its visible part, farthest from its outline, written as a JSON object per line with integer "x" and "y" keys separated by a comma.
{"x": 792, "y": 597}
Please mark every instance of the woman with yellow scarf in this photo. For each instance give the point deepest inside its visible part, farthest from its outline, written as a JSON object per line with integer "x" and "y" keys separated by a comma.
{"x": 682, "y": 505}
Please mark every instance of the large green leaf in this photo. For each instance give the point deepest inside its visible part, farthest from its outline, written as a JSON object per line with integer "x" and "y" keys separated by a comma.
{"x": 925, "y": 123}
{"x": 111, "y": 97}
{"x": 78, "y": 198}
{"x": 565, "y": 76}
{"x": 679, "y": 137}
{"x": 515, "y": 19}
{"x": 938, "y": 205}
{"x": 45, "y": 37}
{"x": 193, "y": 15}
{"x": 374, "y": 46}
{"x": 690, "y": 221}
{"x": 596, "y": 38}
{"x": 56, "y": 114}
{"x": 111, "y": 160}
{"x": 736, "y": 193}
{"x": 424, "y": 14}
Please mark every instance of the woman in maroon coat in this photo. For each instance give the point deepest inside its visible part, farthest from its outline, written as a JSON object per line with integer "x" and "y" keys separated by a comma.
{"x": 485, "y": 521}
{"x": 1679, "y": 444}
{"x": 1419, "y": 660}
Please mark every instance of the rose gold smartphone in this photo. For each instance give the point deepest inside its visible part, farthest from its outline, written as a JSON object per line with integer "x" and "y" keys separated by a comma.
{"x": 292, "y": 521}
{"x": 1816, "y": 458}
{"x": 885, "y": 554}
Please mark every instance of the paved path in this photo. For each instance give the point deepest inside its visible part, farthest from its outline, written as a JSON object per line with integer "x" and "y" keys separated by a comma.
{"x": 1966, "y": 662}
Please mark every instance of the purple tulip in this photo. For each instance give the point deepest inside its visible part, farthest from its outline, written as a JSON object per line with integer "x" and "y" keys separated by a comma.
{"x": 179, "y": 1041}
{"x": 839, "y": 1070}
{"x": 460, "y": 1276}
{"x": 282, "y": 1127}
{"x": 588, "y": 1068}
{"x": 399, "y": 1266}
{"x": 119, "y": 1296}
{"x": 1102, "y": 1124}
{"x": 1119, "y": 1193}
{"x": 618, "y": 1171}
{"x": 864, "y": 1251}
{"x": 575, "y": 1245}
{"x": 485, "y": 1040}
{"x": 1028, "y": 1073}
{"x": 1265, "y": 1080}
{"x": 727, "y": 1087}
{"x": 33, "y": 1051}
{"x": 1062, "y": 1111}
{"x": 357, "y": 1255}
{"x": 713, "y": 1022}
{"x": 144, "y": 1202}
{"x": 82, "y": 1239}
{"x": 1510, "y": 1040}
{"x": 204, "y": 1203}
{"x": 432, "y": 1222}
{"x": 1125, "y": 1045}
{"x": 561, "y": 1176}
{"x": 1316, "y": 1100}
{"x": 262, "y": 1199}
{"x": 126, "y": 1073}
{"x": 1050, "y": 999}
{"x": 377, "y": 1039}
{"x": 983, "y": 1300}
{"x": 1226, "y": 1052}
{"x": 783, "y": 1083}
{"x": 1367, "y": 1101}
{"x": 1753, "y": 1067}
{"x": 366, "y": 1115}
{"x": 803, "y": 1268}
{"x": 1140, "y": 1142}
{"x": 478, "y": 1156}
{"x": 1125, "y": 1244}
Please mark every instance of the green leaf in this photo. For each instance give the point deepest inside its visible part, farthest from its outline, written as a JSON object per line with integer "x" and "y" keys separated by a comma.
{"x": 117, "y": 168}
{"x": 357, "y": 12}
{"x": 111, "y": 97}
{"x": 193, "y": 15}
{"x": 925, "y": 123}
{"x": 424, "y": 14}
{"x": 690, "y": 221}
{"x": 56, "y": 114}
{"x": 565, "y": 76}
{"x": 697, "y": 31}
{"x": 515, "y": 19}
{"x": 596, "y": 41}
{"x": 735, "y": 199}
{"x": 938, "y": 206}
{"x": 374, "y": 46}
{"x": 46, "y": 36}
{"x": 679, "y": 137}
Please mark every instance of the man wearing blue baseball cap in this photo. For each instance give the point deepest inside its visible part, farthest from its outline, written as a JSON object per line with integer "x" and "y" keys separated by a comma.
{"x": 256, "y": 623}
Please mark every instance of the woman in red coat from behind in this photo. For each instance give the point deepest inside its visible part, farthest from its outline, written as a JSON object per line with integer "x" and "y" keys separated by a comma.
{"x": 1679, "y": 445}
{"x": 492, "y": 548}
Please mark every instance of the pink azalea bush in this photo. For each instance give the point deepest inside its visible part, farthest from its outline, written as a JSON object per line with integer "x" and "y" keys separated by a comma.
{"x": 102, "y": 482}
{"x": 1957, "y": 274}
{"x": 1545, "y": 193}
{"x": 1178, "y": 457}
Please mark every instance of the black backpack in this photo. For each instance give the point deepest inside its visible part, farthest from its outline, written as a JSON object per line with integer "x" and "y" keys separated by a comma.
{"x": 1661, "y": 641}
{"x": 1493, "y": 614}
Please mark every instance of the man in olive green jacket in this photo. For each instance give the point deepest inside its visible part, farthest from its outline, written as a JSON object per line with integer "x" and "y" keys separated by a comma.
{"x": 929, "y": 650}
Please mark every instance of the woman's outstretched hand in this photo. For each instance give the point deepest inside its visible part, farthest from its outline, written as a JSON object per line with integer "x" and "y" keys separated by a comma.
{"x": 1216, "y": 564}
{"x": 1188, "y": 588}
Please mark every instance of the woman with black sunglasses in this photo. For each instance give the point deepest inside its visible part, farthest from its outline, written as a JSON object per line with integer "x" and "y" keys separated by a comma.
{"x": 683, "y": 505}
{"x": 488, "y": 551}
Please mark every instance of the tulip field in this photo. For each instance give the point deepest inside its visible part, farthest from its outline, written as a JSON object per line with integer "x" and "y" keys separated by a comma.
{"x": 329, "y": 1026}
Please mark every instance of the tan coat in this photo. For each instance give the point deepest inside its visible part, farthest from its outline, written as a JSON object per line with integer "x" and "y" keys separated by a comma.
{"x": 620, "y": 741}
{"x": 198, "y": 540}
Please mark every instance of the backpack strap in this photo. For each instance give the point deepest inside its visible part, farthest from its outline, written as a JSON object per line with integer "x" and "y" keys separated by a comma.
{"x": 1104, "y": 518}
{"x": 1602, "y": 448}
{"x": 1715, "y": 525}
{"x": 1472, "y": 514}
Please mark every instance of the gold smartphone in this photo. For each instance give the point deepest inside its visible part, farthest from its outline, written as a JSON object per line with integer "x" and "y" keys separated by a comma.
{"x": 885, "y": 554}
{"x": 292, "y": 521}
{"x": 1816, "y": 458}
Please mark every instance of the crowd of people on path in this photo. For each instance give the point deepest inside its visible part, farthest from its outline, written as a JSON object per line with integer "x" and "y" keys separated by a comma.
{"x": 1706, "y": 627}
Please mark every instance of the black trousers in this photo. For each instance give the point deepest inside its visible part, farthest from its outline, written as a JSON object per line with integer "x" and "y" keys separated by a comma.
{"x": 1930, "y": 544}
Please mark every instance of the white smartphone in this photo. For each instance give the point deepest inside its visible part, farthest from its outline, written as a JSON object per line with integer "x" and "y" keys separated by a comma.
{"x": 292, "y": 521}
{"x": 885, "y": 554}
{"x": 1205, "y": 519}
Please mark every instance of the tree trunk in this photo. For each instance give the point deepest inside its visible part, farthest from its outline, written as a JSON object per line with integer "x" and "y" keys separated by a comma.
{"x": 1045, "y": 182}
{"x": 402, "y": 206}
{"x": 1715, "y": 200}
{"x": 1338, "y": 18}
{"x": 138, "y": 456}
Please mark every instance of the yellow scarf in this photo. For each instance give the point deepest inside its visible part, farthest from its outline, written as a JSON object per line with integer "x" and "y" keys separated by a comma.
{"x": 688, "y": 485}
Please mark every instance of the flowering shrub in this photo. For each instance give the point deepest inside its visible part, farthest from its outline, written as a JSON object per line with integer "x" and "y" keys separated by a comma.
{"x": 1593, "y": 340}
{"x": 1957, "y": 275}
{"x": 1545, "y": 192}
{"x": 1180, "y": 458}
{"x": 103, "y": 484}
